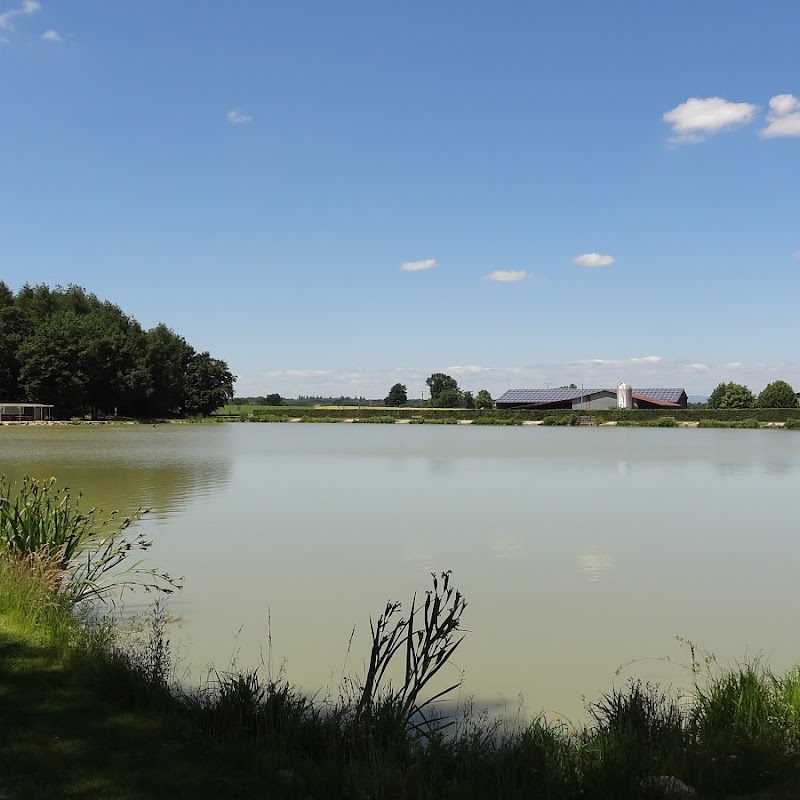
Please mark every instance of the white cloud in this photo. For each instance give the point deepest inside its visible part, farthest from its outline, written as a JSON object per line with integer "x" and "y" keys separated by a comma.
{"x": 507, "y": 275}
{"x": 468, "y": 369}
{"x": 52, "y": 36}
{"x": 783, "y": 118}
{"x": 614, "y": 362}
{"x": 417, "y": 266}
{"x": 696, "y": 367}
{"x": 237, "y": 117}
{"x": 699, "y": 118}
{"x": 27, "y": 7}
{"x": 593, "y": 260}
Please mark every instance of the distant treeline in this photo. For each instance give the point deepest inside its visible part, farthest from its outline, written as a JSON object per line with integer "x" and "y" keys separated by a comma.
{"x": 304, "y": 400}
{"x": 67, "y": 348}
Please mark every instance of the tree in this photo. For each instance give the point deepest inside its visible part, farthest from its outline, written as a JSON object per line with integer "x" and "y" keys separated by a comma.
{"x": 166, "y": 358}
{"x": 484, "y": 400}
{"x": 777, "y": 394}
{"x": 468, "y": 400}
{"x": 439, "y": 382}
{"x": 731, "y": 395}
{"x": 398, "y": 395}
{"x": 208, "y": 384}
{"x": 53, "y": 363}
{"x": 14, "y": 329}
{"x": 448, "y": 398}
{"x": 273, "y": 400}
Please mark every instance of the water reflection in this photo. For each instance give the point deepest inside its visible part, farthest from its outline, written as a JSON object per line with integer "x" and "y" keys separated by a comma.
{"x": 423, "y": 559}
{"x": 505, "y": 546}
{"x": 120, "y": 468}
{"x": 595, "y": 564}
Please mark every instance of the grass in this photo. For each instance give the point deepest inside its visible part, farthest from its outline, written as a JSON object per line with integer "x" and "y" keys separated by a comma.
{"x": 743, "y": 423}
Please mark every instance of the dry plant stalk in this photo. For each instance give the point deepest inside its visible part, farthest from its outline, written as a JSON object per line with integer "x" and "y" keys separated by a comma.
{"x": 429, "y": 638}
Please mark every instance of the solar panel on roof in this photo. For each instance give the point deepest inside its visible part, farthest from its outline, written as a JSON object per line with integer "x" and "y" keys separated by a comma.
{"x": 546, "y": 396}
{"x": 671, "y": 395}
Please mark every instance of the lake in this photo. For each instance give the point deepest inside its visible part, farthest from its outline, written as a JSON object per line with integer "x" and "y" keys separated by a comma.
{"x": 578, "y": 550}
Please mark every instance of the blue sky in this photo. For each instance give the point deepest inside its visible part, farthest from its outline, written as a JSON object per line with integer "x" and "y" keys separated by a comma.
{"x": 338, "y": 196}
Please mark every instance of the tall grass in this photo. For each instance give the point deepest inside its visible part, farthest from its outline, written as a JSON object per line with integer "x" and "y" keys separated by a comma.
{"x": 86, "y": 555}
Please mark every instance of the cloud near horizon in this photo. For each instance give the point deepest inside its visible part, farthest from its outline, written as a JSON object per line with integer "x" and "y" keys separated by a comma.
{"x": 508, "y": 275}
{"x": 698, "y": 118}
{"x": 237, "y": 117}
{"x": 593, "y": 260}
{"x": 651, "y": 370}
{"x": 419, "y": 266}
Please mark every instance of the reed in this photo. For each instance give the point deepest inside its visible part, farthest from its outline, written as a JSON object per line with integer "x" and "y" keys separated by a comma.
{"x": 85, "y": 554}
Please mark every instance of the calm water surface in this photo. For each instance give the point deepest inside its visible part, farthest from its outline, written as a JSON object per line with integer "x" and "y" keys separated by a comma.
{"x": 578, "y": 549}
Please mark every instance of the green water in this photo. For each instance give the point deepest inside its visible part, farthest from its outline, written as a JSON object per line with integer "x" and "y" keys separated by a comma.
{"x": 578, "y": 549}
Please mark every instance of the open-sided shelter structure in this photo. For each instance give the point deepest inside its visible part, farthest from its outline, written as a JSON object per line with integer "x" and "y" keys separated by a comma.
{"x": 25, "y": 412}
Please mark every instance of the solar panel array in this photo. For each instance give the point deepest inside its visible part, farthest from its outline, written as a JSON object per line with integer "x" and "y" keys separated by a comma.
{"x": 542, "y": 396}
{"x": 546, "y": 396}
{"x": 669, "y": 395}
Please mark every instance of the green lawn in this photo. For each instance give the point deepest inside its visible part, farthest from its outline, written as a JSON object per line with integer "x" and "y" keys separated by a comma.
{"x": 60, "y": 738}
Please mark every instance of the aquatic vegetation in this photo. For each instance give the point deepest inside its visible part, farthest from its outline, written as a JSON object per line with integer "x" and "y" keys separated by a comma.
{"x": 85, "y": 555}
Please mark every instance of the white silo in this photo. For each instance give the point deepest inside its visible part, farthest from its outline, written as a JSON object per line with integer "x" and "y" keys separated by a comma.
{"x": 624, "y": 396}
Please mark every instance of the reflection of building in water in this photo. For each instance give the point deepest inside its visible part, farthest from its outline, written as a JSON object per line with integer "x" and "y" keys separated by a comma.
{"x": 595, "y": 563}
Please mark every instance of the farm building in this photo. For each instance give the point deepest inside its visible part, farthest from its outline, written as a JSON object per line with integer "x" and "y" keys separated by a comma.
{"x": 591, "y": 399}
{"x": 25, "y": 412}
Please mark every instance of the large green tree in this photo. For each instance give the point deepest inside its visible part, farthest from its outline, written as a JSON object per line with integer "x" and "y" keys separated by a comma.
{"x": 731, "y": 395}
{"x": 166, "y": 358}
{"x": 208, "y": 384}
{"x": 439, "y": 382}
{"x": 777, "y": 394}
{"x": 398, "y": 395}
{"x": 484, "y": 400}
{"x": 449, "y": 398}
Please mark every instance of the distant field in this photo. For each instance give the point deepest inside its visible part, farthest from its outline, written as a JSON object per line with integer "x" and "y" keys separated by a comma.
{"x": 748, "y": 417}
{"x": 233, "y": 408}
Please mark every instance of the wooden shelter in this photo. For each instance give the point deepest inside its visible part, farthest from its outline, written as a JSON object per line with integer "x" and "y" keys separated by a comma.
{"x": 25, "y": 412}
